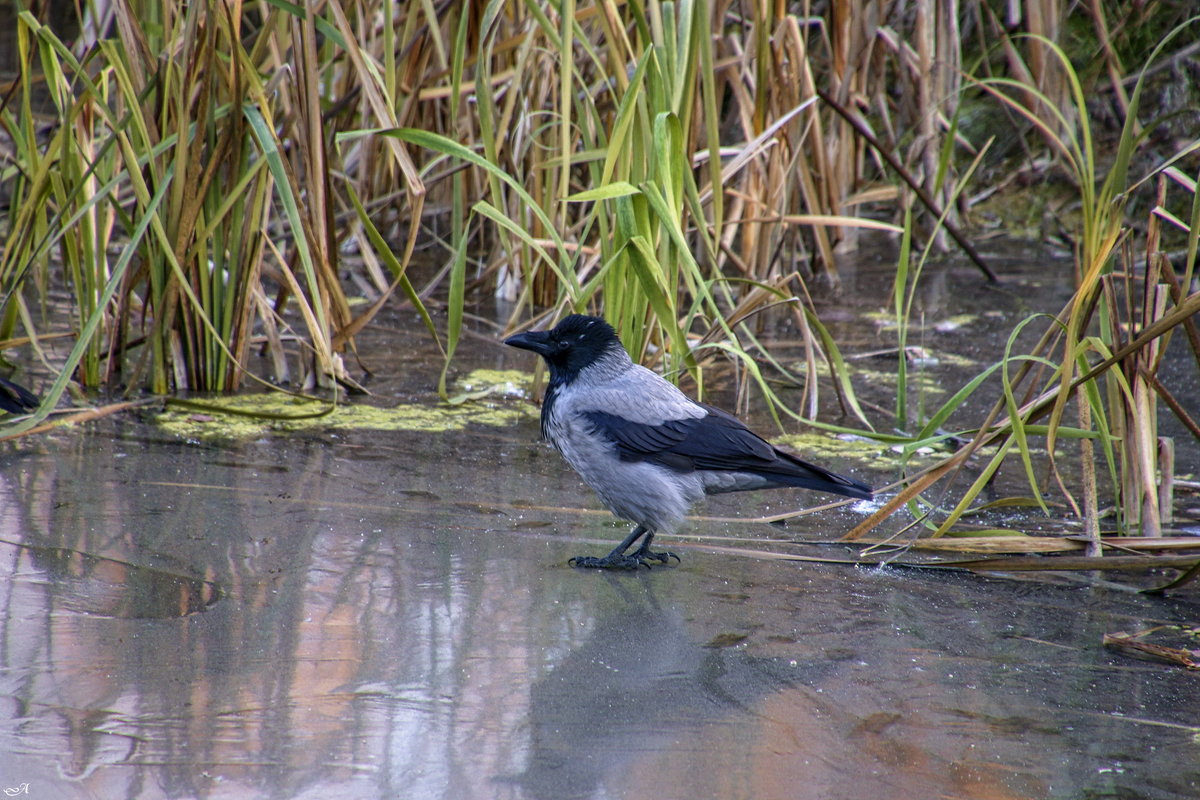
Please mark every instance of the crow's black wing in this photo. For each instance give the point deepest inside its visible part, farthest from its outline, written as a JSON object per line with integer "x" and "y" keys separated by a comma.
{"x": 717, "y": 441}
{"x": 714, "y": 441}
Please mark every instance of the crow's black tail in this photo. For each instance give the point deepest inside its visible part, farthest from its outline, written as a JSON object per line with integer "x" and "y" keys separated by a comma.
{"x": 15, "y": 398}
{"x": 792, "y": 471}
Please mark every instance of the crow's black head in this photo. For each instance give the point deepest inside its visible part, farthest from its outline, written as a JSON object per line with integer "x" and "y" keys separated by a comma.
{"x": 570, "y": 346}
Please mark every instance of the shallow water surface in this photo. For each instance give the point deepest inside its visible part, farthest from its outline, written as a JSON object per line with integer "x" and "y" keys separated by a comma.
{"x": 331, "y": 611}
{"x": 361, "y": 615}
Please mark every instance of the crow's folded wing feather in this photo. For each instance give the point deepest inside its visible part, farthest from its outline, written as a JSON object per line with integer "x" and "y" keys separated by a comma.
{"x": 714, "y": 441}
{"x": 717, "y": 441}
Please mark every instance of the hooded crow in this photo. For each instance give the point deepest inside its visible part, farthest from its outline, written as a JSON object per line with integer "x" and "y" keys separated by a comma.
{"x": 646, "y": 448}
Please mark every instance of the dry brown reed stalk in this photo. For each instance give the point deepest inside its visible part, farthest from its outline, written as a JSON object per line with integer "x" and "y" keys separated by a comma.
{"x": 1146, "y": 459}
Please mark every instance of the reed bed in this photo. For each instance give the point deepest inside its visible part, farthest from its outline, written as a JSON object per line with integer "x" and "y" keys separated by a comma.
{"x": 193, "y": 175}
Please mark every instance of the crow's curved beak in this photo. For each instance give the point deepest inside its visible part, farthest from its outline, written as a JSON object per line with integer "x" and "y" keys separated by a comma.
{"x": 537, "y": 341}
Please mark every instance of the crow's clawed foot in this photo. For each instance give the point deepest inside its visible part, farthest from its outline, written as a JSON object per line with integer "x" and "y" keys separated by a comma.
{"x": 641, "y": 558}
{"x": 609, "y": 561}
{"x": 663, "y": 557}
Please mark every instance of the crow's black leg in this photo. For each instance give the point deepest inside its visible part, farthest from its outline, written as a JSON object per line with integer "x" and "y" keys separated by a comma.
{"x": 617, "y": 559}
{"x": 644, "y": 553}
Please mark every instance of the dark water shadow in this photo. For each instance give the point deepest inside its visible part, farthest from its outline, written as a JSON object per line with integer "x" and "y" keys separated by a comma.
{"x": 637, "y": 684}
